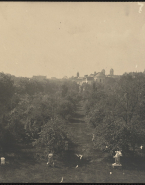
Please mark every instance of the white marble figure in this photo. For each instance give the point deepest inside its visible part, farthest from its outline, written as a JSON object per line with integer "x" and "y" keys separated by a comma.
{"x": 117, "y": 157}
{"x": 50, "y": 159}
{"x": 141, "y": 147}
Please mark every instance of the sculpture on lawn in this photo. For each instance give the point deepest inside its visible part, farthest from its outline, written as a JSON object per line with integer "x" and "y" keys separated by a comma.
{"x": 117, "y": 158}
{"x": 50, "y": 159}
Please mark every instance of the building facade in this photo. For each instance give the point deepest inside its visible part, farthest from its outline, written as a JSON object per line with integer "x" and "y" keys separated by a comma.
{"x": 96, "y": 77}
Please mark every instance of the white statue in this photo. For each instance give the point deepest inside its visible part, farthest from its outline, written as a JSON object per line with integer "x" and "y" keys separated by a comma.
{"x": 117, "y": 158}
{"x": 141, "y": 147}
{"x": 50, "y": 159}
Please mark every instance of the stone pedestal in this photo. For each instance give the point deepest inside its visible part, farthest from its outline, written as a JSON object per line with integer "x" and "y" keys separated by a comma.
{"x": 115, "y": 165}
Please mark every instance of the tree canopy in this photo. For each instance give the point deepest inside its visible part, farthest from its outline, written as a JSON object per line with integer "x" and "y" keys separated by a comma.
{"x": 117, "y": 113}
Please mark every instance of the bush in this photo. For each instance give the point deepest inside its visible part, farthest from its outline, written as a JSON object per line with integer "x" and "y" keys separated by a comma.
{"x": 52, "y": 137}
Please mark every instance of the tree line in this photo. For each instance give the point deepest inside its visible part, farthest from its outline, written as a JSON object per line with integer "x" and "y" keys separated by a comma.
{"x": 36, "y": 113}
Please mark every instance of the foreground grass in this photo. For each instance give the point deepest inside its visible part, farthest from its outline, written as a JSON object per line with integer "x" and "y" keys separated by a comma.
{"x": 92, "y": 172}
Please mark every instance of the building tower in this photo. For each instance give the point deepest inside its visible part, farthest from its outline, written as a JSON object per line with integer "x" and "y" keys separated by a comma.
{"x": 111, "y": 72}
{"x": 77, "y": 74}
{"x": 103, "y": 71}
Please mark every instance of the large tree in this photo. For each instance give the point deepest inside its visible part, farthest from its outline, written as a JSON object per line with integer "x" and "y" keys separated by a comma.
{"x": 52, "y": 137}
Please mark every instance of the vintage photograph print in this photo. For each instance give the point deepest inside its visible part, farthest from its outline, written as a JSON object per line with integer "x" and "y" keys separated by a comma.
{"x": 72, "y": 92}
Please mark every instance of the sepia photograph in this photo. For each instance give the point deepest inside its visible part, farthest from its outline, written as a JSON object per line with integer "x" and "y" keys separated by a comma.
{"x": 72, "y": 92}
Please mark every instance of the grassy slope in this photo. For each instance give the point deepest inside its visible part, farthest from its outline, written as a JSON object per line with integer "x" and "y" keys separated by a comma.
{"x": 96, "y": 168}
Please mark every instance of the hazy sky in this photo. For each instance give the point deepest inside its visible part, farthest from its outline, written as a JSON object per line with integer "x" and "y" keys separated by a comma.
{"x": 58, "y": 39}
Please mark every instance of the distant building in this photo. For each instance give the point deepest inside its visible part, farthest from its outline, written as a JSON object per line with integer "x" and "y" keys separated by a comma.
{"x": 100, "y": 77}
{"x": 91, "y": 75}
{"x": 103, "y": 71}
{"x": 111, "y": 72}
{"x": 96, "y": 77}
{"x": 85, "y": 76}
{"x": 111, "y": 75}
{"x": 80, "y": 80}
{"x": 89, "y": 80}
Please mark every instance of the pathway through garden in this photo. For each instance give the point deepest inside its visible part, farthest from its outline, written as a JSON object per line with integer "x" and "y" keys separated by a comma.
{"x": 82, "y": 134}
{"x": 95, "y": 167}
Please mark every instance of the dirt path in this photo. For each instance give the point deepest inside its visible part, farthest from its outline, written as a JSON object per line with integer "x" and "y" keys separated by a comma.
{"x": 82, "y": 133}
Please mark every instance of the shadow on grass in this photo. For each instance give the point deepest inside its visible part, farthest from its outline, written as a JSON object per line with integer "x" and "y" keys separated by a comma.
{"x": 70, "y": 159}
{"x": 16, "y": 158}
{"x": 134, "y": 163}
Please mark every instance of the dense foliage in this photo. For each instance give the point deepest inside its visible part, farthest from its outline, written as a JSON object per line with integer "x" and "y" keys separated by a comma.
{"x": 34, "y": 112}
{"x": 116, "y": 112}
